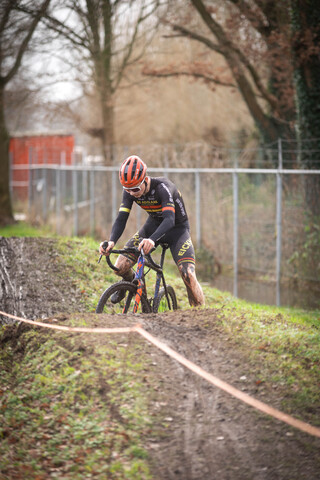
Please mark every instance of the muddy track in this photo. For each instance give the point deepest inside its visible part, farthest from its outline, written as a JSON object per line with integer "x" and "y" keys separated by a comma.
{"x": 33, "y": 283}
{"x": 213, "y": 435}
{"x": 209, "y": 435}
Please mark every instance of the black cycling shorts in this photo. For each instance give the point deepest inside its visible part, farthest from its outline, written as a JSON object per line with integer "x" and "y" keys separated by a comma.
{"x": 178, "y": 239}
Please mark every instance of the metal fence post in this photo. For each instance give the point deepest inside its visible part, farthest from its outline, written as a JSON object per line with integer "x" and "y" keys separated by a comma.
{"x": 30, "y": 193}
{"x": 63, "y": 177}
{"x": 84, "y": 184}
{"x": 75, "y": 201}
{"x": 58, "y": 200}
{"x": 44, "y": 188}
{"x": 44, "y": 195}
{"x": 92, "y": 201}
{"x": 198, "y": 209}
{"x": 279, "y": 224}
{"x": 235, "y": 227}
{"x": 10, "y": 174}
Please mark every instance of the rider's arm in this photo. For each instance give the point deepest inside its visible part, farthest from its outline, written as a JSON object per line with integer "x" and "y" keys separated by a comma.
{"x": 119, "y": 226}
{"x": 168, "y": 213}
{"x": 121, "y": 220}
{"x": 167, "y": 223}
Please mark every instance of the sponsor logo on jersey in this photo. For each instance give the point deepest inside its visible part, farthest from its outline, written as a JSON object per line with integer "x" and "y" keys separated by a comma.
{"x": 169, "y": 193}
{"x": 182, "y": 210}
{"x": 185, "y": 246}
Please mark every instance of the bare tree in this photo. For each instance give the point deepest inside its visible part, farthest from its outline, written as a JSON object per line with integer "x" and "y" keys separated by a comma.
{"x": 253, "y": 37}
{"x": 104, "y": 38}
{"x": 16, "y": 32}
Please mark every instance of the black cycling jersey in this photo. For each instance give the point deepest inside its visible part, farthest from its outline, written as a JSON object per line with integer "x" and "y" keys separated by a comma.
{"x": 163, "y": 202}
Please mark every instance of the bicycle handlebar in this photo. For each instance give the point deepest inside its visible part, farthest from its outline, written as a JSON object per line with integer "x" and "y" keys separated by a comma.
{"x": 135, "y": 251}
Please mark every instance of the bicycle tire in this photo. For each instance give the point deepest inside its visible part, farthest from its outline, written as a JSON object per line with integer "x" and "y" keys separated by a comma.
{"x": 124, "y": 306}
{"x": 161, "y": 302}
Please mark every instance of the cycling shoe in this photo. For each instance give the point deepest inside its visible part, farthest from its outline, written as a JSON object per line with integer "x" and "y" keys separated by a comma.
{"x": 116, "y": 297}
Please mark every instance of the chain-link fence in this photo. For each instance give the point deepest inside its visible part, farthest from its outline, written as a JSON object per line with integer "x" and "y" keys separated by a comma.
{"x": 252, "y": 220}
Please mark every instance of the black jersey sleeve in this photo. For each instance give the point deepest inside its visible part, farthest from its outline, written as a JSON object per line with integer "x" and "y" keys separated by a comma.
{"x": 122, "y": 217}
{"x": 168, "y": 213}
{"x": 166, "y": 225}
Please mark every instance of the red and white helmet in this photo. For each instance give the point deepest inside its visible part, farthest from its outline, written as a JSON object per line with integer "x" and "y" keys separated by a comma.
{"x": 132, "y": 172}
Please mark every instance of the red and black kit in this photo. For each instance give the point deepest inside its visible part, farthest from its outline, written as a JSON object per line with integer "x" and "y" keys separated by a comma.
{"x": 167, "y": 219}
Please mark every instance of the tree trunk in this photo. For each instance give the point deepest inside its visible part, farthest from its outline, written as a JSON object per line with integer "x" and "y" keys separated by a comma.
{"x": 107, "y": 107}
{"x": 265, "y": 123}
{"x": 102, "y": 56}
{"x": 6, "y": 215}
{"x": 306, "y": 45}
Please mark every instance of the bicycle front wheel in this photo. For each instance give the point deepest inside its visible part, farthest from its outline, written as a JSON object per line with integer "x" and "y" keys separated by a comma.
{"x": 161, "y": 302}
{"x": 127, "y": 292}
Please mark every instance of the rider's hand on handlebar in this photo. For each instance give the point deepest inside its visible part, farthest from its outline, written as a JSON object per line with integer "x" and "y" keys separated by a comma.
{"x": 105, "y": 247}
{"x": 147, "y": 244}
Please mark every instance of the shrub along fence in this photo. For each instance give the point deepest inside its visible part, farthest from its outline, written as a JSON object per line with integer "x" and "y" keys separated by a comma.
{"x": 253, "y": 220}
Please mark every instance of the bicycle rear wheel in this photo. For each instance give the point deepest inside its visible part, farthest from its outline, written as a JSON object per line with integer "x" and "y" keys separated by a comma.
{"x": 128, "y": 290}
{"x": 161, "y": 302}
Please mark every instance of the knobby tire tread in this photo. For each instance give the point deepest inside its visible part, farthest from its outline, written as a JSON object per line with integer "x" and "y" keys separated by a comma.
{"x": 127, "y": 286}
{"x": 162, "y": 296}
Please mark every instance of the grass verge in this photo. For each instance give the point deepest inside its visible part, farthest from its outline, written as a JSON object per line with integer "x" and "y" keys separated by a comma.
{"x": 72, "y": 409}
{"x": 23, "y": 229}
{"x": 283, "y": 344}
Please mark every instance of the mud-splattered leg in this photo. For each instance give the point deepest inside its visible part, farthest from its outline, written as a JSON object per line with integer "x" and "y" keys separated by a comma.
{"x": 194, "y": 290}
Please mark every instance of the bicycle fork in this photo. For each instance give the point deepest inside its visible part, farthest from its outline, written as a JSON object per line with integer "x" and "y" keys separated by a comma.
{"x": 140, "y": 282}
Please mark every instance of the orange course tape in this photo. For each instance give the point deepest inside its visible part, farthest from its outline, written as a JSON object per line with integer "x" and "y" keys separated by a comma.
{"x": 257, "y": 404}
{"x": 71, "y": 329}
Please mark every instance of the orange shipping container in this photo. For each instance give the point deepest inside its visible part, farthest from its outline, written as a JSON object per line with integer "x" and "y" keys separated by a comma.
{"x": 38, "y": 149}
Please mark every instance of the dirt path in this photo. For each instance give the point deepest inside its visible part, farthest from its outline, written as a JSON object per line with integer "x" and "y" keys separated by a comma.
{"x": 33, "y": 283}
{"x": 212, "y": 435}
{"x": 209, "y": 434}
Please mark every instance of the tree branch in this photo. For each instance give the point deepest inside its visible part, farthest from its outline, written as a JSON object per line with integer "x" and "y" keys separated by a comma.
{"x": 61, "y": 28}
{"x": 8, "y": 9}
{"x": 202, "y": 76}
{"x": 254, "y": 16}
{"x": 125, "y": 62}
{"x": 236, "y": 60}
{"x": 229, "y": 49}
{"x": 195, "y": 36}
{"x": 24, "y": 45}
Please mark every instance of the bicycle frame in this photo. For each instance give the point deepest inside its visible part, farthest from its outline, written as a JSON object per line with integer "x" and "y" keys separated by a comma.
{"x": 139, "y": 278}
{"x": 160, "y": 277}
{"x": 140, "y": 281}
{"x": 141, "y": 286}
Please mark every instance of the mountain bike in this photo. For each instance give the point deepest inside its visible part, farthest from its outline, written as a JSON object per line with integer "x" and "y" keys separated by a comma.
{"x": 135, "y": 293}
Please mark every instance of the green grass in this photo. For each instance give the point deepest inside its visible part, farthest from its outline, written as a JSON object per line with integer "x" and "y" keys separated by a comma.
{"x": 283, "y": 343}
{"x": 69, "y": 414}
{"x": 80, "y": 410}
{"x": 22, "y": 229}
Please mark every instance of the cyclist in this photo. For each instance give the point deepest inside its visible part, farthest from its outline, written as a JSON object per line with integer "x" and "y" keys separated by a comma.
{"x": 167, "y": 222}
